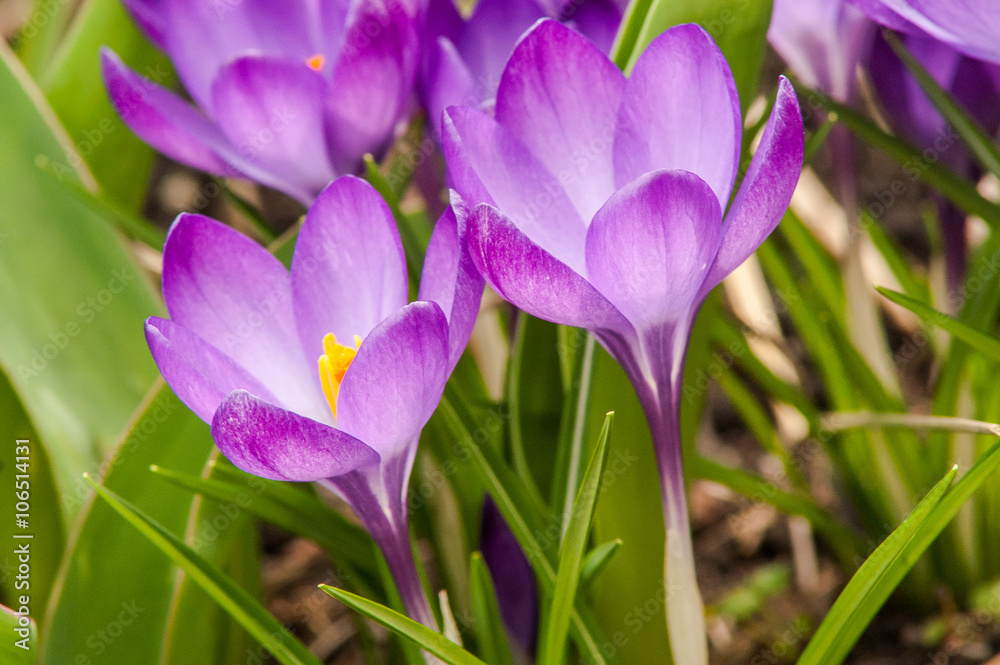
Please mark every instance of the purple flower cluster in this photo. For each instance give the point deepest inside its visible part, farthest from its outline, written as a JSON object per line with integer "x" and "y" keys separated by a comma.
{"x": 579, "y": 195}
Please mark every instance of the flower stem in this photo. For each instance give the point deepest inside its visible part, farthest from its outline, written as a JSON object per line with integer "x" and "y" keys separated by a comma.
{"x": 684, "y": 607}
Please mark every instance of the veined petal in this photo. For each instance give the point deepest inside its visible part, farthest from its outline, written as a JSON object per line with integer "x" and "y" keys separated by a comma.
{"x": 650, "y": 247}
{"x": 397, "y": 379}
{"x": 597, "y": 20}
{"x": 348, "y": 271}
{"x": 149, "y": 17}
{"x": 372, "y": 82}
{"x": 270, "y": 442}
{"x": 447, "y": 81}
{"x": 971, "y": 26}
{"x": 201, "y": 37}
{"x": 179, "y": 131}
{"x": 199, "y": 374}
{"x": 162, "y": 119}
{"x": 532, "y": 279}
{"x": 451, "y": 279}
{"x": 680, "y": 111}
{"x": 565, "y": 118}
{"x": 766, "y": 189}
{"x": 236, "y": 296}
{"x": 490, "y": 34}
{"x": 489, "y": 165}
{"x": 272, "y": 110}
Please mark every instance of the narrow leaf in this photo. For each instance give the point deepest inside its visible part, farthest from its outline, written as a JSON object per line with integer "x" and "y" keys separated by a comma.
{"x": 865, "y": 594}
{"x": 240, "y": 605}
{"x": 597, "y": 559}
{"x": 571, "y": 552}
{"x": 486, "y": 610}
{"x": 432, "y": 641}
{"x": 985, "y": 344}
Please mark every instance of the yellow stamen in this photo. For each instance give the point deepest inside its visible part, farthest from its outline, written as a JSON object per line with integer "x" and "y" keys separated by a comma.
{"x": 333, "y": 365}
{"x": 316, "y": 62}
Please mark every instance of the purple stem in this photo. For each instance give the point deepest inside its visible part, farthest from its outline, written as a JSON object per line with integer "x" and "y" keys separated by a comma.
{"x": 390, "y": 531}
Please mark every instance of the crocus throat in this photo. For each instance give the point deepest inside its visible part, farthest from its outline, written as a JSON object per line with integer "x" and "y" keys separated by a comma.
{"x": 316, "y": 62}
{"x": 333, "y": 365}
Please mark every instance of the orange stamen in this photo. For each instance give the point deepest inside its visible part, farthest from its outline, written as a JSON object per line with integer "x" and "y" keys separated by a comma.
{"x": 333, "y": 366}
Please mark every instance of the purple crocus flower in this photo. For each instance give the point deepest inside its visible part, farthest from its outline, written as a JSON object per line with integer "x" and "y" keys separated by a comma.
{"x": 290, "y": 94}
{"x": 598, "y": 203}
{"x": 973, "y": 83}
{"x": 517, "y": 592}
{"x": 463, "y": 59}
{"x": 970, "y": 26}
{"x": 823, "y": 42}
{"x": 242, "y": 343}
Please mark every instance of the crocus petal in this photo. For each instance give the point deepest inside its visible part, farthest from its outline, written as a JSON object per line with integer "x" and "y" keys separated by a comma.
{"x": 766, "y": 188}
{"x": 162, "y": 119}
{"x": 202, "y": 36}
{"x": 371, "y": 83}
{"x": 148, "y": 15}
{"x": 517, "y": 592}
{"x": 349, "y": 271}
{"x": 489, "y": 165}
{"x": 451, "y": 279}
{"x": 272, "y": 111}
{"x": 179, "y": 131}
{"x": 680, "y": 111}
{"x": 532, "y": 279}
{"x": 199, "y": 374}
{"x": 650, "y": 246}
{"x": 567, "y": 121}
{"x": 235, "y": 295}
{"x": 271, "y": 442}
{"x": 971, "y": 26}
{"x": 396, "y": 381}
{"x": 447, "y": 82}
{"x": 597, "y": 20}
{"x": 490, "y": 35}
{"x": 823, "y": 41}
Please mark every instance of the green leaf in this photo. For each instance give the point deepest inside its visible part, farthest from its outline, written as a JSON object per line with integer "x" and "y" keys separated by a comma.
{"x": 486, "y": 612}
{"x": 100, "y": 577}
{"x": 629, "y": 31}
{"x": 985, "y": 344}
{"x": 871, "y": 585}
{"x": 959, "y": 191}
{"x": 890, "y": 251}
{"x": 41, "y": 34}
{"x": 597, "y": 559}
{"x": 979, "y": 143}
{"x": 236, "y": 601}
{"x": 844, "y": 541}
{"x": 434, "y": 642}
{"x": 292, "y": 507}
{"x": 223, "y": 533}
{"x": 571, "y": 551}
{"x": 74, "y": 86}
{"x": 738, "y": 27}
{"x": 20, "y": 641}
{"x": 527, "y": 520}
{"x": 75, "y": 300}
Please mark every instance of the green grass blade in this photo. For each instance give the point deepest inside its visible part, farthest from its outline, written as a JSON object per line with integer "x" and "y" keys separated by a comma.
{"x": 553, "y": 643}
{"x": 887, "y": 247}
{"x": 597, "y": 559}
{"x": 286, "y": 506}
{"x": 959, "y": 191}
{"x": 432, "y": 641}
{"x": 866, "y": 592}
{"x": 988, "y": 346}
{"x": 486, "y": 610}
{"x": 628, "y": 33}
{"x": 979, "y": 143}
{"x": 524, "y": 518}
{"x": 240, "y": 605}
{"x": 845, "y": 542}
